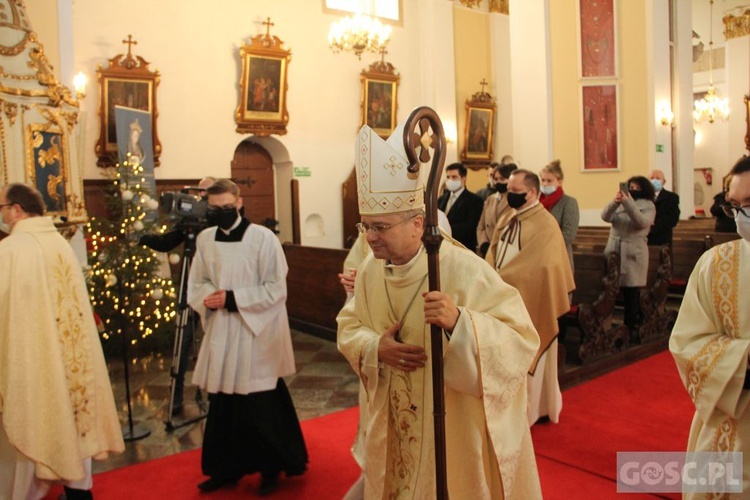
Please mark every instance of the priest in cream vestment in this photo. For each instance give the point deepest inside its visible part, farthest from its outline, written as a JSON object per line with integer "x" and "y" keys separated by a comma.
{"x": 711, "y": 339}
{"x": 56, "y": 405}
{"x": 384, "y": 332}
{"x": 528, "y": 250}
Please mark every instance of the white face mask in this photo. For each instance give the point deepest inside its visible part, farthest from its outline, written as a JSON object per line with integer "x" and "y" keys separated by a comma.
{"x": 453, "y": 185}
{"x": 743, "y": 225}
{"x": 548, "y": 189}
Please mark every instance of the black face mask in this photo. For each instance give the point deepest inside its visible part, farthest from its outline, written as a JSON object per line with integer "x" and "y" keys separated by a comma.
{"x": 637, "y": 195}
{"x": 516, "y": 200}
{"x": 223, "y": 217}
{"x": 501, "y": 187}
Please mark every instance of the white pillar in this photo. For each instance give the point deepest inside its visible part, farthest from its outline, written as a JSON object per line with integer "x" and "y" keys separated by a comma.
{"x": 684, "y": 137}
{"x": 660, "y": 90}
{"x": 530, "y": 83}
{"x": 502, "y": 91}
{"x": 437, "y": 61}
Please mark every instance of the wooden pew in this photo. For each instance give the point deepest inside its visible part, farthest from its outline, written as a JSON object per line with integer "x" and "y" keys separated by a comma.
{"x": 685, "y": 254}
{"x": 597, "y": 286}
{"x": 314, "y": 294}
{"x": 657, "y": 319}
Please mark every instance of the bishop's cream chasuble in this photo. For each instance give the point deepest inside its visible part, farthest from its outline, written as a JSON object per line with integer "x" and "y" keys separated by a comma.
{"x": 710, "y": 343}
{"x": 489, "y": 449}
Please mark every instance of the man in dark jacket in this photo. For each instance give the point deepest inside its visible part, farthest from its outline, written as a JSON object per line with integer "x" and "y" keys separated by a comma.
{"x": 462, "y": 207}
{"x": 667, "y": 211}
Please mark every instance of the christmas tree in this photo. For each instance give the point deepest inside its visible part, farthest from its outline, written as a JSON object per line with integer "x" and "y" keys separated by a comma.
{"x": 125, "y": 288}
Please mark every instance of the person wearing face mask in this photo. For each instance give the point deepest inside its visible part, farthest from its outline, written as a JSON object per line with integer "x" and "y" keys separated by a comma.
{"x": 462, "y": 207}
{"x": 564, "y": 208}
{"x": 667, "y": 211}
{"x": 237, "y": 284}
{"x": 57, "y": 411}
{"x": 528, "y": 251}
{"x": 631, "y": 215}
{"x": 494, "y": 207}
{"x": 489, "y": 189}
{"x": 710, "y": 341}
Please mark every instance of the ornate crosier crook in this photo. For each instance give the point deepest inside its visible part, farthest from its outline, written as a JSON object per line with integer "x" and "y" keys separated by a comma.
{"x": 427, "y": 119}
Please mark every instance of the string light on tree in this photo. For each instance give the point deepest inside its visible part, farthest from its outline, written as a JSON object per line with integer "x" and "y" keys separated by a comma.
{"x": 125, "y": 288}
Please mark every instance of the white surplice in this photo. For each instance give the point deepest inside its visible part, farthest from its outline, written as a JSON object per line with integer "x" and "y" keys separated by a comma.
{"x": 248, "y": 351}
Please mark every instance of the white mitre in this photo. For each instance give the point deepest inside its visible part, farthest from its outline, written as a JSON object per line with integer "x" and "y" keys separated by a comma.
{"x": 384, "y": 185}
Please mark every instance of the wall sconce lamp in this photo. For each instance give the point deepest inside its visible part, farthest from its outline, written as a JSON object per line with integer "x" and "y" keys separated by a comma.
{"x": 665, "y": 116}
{"x": 79, "y": 83}
{"x": 451, "y": 134}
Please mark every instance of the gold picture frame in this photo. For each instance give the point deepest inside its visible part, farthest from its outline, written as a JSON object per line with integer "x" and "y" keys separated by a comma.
{"x": 126, "y": 81}
{"x": 380, "y": 97}
{"x": 46, "y": 166}
{"x": 479, "y": 130}
{"x": 262, "y": 107}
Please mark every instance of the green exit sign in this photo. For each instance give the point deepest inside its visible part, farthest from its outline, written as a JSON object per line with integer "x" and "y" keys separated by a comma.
{"x": 660, "y": 148}
{"x": 302, "y": 172}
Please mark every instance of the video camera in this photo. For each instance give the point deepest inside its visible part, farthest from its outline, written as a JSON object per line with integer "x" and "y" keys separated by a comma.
{"x": 188, "y": 209}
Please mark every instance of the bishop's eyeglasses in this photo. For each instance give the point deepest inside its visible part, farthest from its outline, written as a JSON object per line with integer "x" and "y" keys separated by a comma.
{"x": 377, "y": 229}
{"x": 732, "y": 211}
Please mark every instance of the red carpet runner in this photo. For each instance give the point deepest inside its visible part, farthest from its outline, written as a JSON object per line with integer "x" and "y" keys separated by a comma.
{"x": 642, "y": 407}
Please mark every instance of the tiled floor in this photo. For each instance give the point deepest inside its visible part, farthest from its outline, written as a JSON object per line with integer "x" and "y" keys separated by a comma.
{"x": 324, "y": 383}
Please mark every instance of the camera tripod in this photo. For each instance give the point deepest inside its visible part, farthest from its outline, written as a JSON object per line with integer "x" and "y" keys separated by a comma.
{"x": 186, "y": 318}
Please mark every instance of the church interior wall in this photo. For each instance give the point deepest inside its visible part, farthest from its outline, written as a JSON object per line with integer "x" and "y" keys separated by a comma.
{"x": 473, "y": 65}
{"x": 500, "y": 41}
{"x": 195, "y": 48}
{"x": 594, "y": 189}
{"x": 531, "y": 85}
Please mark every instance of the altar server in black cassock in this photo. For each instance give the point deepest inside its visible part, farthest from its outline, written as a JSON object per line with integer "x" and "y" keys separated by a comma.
{"x": 238, "y": 286}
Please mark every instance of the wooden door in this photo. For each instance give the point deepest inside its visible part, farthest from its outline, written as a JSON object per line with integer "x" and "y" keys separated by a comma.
{"x": 252, "y": 171}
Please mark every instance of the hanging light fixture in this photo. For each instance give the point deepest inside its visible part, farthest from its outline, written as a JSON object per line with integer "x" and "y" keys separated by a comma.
{"x": 358, "y": 34}
{"x": 711, "y": 107}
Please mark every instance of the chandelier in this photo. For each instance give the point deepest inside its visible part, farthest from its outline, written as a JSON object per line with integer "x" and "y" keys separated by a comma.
{"x": 711, "y": 107}
{"x": 358, "y": 34}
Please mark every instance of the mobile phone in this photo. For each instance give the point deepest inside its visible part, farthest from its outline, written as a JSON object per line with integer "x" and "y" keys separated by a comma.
{"x": 624, "y": 187}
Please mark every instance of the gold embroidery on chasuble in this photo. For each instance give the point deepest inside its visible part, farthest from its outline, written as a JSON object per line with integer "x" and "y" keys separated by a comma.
{"x": 725, "y": 435}
{"x": 72, "y": 344}
{"x": 702, "y": 364}
{"x": 726, "y": 264}
{"x": 406, "y": 396}
{"x": 724, "y": 287}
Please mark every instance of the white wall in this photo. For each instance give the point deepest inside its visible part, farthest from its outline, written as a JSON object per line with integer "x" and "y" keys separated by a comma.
{"x": 195, "y": 47}
{"x": 531, "y": 88}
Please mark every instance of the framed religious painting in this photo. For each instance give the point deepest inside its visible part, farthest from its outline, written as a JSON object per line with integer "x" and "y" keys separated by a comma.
{"x": 600, "y": 128}
{"x": 380, "y": 97}
{"x": 128, "y": 82}
{"x": 597, "y": 38}
{"x": 478, "y": 130}
{"x": 262, "y": 106}
{"x": 46, "y": 168}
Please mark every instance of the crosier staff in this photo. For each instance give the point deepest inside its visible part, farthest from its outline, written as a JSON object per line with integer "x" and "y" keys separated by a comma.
{"x": 426, "y": 118}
